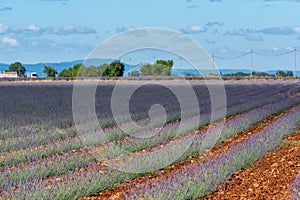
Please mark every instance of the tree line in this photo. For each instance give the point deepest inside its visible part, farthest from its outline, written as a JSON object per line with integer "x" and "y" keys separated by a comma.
{"x": 116, "y": 69}
{"x": 20, "y": 69}
{"x": 279, "y": 73}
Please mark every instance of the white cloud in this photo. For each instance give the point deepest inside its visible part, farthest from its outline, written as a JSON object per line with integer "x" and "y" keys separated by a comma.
{"x": 70, "y": 29}
{"x": 10, "y": 41}
{"x": 37, "y": 30}
{"x": 3, "y": 28}
{"x": 210, "y": 41}
{"x": 254, "y": 38}
{"x": 268, "y": 31}
{"x": 34, "y": 28}
{"x": 215, "y": 24}
{"x": 123, "y": 28}
{"x": 296, "y": 29}
{"x": 224, "y": 50}
{"x": 194, "y": 29}
{"x": 290, "y": 48}
{"x": 240, "y": 32}
{"x": 280, "y": 30}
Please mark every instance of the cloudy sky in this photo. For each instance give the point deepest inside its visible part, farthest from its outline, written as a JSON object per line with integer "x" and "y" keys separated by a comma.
{"x": 34, "y": 31}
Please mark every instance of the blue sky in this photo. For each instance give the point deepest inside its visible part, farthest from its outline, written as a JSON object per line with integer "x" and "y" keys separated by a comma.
{"x": 34, "y": 31}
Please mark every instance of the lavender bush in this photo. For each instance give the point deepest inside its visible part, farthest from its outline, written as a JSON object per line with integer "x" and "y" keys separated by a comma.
{"x": 197, "y": 180}
{"x": 296, "y": 188}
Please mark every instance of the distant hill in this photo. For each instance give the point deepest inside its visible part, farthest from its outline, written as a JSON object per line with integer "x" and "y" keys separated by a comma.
{"x": 38, "y": 67}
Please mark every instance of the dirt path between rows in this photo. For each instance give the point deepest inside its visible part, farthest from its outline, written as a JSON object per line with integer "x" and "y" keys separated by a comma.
{"x": 269, "y": 178}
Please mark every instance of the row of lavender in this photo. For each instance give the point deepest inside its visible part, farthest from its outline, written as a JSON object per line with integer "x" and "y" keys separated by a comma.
{"x": 76, "y": 183}
{"x": 205, "y": 139}
{"x": 296, "y": 188}
{"x": 197, "y": 180}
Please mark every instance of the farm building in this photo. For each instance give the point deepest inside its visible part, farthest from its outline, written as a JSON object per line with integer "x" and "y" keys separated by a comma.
{"x": 8, "y": 75}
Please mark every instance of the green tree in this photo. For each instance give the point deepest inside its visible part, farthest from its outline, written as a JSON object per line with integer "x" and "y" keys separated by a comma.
{"x": 134, "y": 73}
{"x": 146, "y": 70}
{"x": 241, "y": 74}
{"x": 76, "y": 69}
{"x": 72, "y": 71}
{"x": 51, "y": 72}
{"x": 160, "y": 68}
{"x": 280, "y": 73}
{"x": 115, "y": 68}
{"x": 168, "y": 63}
{"x": 261, "y": 74}
{"x": 289, "y": 73}
{"x": 17, "y": 67}
{"x": 65, "y": 73}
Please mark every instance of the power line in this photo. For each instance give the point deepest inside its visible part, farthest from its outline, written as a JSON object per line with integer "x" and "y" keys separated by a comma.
{"x": 256, "y": 53}
{"x": 250, "y": 52}
{"x": 201, "y": 60}
{"x": 274, "y": 55}
{"x": 197, "y": 60}
{"x": 232, "y": 58}
{"x": 178, "y": 59}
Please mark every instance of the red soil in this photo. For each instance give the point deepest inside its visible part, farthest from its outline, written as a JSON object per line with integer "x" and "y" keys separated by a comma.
{"x": 268, "y": 178}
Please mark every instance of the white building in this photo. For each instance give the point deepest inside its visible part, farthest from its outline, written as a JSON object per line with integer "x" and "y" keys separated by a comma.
{"x": 8, "y": 75}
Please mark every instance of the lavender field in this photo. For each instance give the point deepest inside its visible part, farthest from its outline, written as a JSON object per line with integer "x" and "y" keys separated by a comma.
{"x": 44, "y": 156}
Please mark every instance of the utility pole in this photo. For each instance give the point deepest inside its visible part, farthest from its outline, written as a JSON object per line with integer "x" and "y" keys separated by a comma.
{"x": 295, "y": 50}
{"x": 251, "y": 72}
{"x": 213, "y": 60}
{"x": 130, "y": 67}
{"x": 181, "y": 66}
{"x": 212, "y": 64}
{"x": 55, "y": 69}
